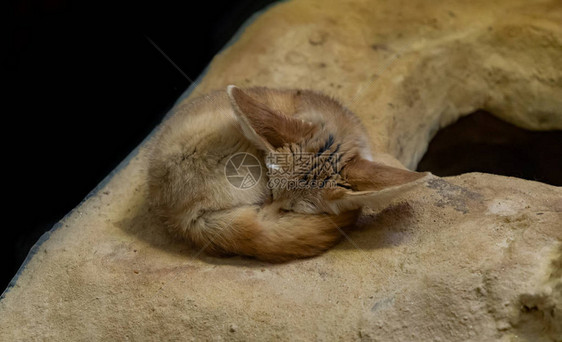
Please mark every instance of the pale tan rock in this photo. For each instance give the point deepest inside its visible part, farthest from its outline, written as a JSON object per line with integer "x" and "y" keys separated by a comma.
{"x": 475, "y": 257}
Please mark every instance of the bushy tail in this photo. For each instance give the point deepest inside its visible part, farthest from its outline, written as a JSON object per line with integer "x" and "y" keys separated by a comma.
{"x": 269, "y": 234}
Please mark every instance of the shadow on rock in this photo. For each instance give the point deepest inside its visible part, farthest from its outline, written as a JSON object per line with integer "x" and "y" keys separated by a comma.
{"x": 390, "y": 227}
{"x": 145, "y": 226}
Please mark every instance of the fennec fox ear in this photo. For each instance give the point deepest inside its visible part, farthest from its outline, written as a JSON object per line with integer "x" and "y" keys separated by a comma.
{"x": 374, "y": 185}
{"x": 265, "y": 127}
{"x": 364, "y": 175}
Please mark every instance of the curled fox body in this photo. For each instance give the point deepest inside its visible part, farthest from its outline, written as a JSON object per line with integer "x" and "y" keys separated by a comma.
{"x": 315, "y": 168}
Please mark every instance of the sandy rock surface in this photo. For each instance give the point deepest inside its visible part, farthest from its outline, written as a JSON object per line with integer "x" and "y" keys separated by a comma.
{"x": 473, "y": 257}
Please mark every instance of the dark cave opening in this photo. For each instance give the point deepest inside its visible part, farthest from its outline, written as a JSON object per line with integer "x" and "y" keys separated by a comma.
{"x": 480, "y": 142}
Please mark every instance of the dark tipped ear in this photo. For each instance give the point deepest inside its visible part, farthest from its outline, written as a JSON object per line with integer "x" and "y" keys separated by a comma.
{"x": 365, "y": 175}
{"x": 267, "y": 128}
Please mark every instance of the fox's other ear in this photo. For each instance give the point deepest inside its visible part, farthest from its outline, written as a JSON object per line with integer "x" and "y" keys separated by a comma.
{"x": 365, "y": 175}
{"x": 375, "y": 185}
{"x": 267, "y": 128}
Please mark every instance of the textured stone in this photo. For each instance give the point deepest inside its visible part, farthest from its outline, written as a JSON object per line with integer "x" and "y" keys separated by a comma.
{"x": 473, "y": 257}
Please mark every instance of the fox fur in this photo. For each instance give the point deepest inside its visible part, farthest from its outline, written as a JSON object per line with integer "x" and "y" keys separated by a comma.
{"x": 270, "y": 221}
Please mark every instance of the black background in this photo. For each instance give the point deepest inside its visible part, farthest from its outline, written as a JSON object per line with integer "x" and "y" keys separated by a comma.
{"x": 86, "y": 86}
